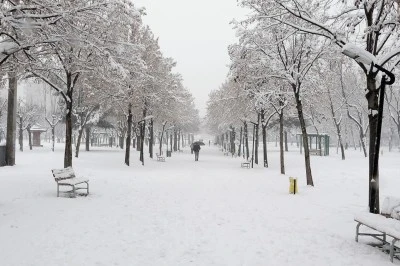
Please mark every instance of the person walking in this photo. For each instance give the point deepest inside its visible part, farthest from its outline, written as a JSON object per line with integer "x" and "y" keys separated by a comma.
{"x": 196, "y": 149}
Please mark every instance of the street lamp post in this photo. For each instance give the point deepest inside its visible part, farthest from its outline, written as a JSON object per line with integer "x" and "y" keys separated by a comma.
{"x": 388, "y": 78}
{"x": 374, "y": 190}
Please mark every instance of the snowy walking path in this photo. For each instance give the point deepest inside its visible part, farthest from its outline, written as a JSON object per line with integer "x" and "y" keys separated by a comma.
{"x": 182, "y": 212}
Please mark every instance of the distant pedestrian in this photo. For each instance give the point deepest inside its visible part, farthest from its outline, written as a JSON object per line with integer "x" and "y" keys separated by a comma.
{"x": 209, "y": 143}
{"x": 196, "y": 149}
{"x": 191, "y": 148}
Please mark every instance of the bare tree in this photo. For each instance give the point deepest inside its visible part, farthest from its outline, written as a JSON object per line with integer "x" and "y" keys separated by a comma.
{"x": 393, "y": 100}
{"x": 11, "y": 118}
{"x": 370, "y": 23}
{"x": 53, "y": 123}
{"x": 26, "y": 117}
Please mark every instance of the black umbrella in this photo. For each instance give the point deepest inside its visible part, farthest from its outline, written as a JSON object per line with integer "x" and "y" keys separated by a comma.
{"x": 199, "y": 143}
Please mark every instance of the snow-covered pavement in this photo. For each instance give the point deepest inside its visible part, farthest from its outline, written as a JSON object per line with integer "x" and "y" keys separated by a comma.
{"x": 182, "y": 212}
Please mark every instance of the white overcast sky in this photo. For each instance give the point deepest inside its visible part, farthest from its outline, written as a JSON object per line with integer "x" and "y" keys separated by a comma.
{"x": 196, "y": 34}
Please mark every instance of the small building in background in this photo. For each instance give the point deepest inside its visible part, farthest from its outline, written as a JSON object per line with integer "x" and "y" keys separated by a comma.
{"x": 36, "y": 131}
{"x": 318, "y": 144}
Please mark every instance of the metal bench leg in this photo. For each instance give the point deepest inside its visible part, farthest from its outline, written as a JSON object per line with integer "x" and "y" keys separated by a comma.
{"x": 74, "y": 191}
{"x": 87, "y": 189}
{"x": 357, "y": 230}
{"x": 58, "y": 190}
{"x": 392, "y": 249}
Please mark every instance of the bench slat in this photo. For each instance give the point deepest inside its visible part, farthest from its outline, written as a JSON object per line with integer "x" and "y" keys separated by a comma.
{"x": 73, "y": 181}
{"x": 387, "y": 223}
{"x": 66, "y": 177}
{"x": 62, "y": 174}
{"x": 380, "y": 223}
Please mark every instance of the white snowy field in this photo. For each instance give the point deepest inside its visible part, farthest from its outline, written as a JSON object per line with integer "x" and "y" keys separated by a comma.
{"x": 182, "y": 212}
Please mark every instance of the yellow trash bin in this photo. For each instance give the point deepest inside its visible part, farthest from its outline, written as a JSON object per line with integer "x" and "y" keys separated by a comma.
{"x": 293, "y": 185}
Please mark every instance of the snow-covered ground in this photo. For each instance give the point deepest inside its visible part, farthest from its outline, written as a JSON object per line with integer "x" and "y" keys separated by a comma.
{"x": 182, "y": 212}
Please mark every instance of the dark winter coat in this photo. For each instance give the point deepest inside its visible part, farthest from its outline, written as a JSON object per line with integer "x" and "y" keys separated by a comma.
{"x": 196, "y": 147}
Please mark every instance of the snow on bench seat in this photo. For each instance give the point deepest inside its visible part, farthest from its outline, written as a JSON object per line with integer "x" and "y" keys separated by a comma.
{"x": 66, "y": 177}
{"x": 73, "y": 181}
{"x": 386, "y": 224}
{"x": 380, "y": 223}
{"x": 245, "y": 164}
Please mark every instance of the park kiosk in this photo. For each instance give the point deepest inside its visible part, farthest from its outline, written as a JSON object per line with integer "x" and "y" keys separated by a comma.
{"x": 318, "y": 143}
{"x": 36, "y": 131}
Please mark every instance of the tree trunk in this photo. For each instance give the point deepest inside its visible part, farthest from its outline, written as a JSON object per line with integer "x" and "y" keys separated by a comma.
{"x": 138, "y": 138}
{"x": 175, "y": 140}
{"x": 257, "y": 141}
{"x": 264, "y": 137}
{"x": 299, "y": 108}
{"x": 233, "y": 137}
{"x": 21, "y": 134}
{"x": 87, "y": 133}
{"x": 337, "y": 124}
{"x": 282, "y": 155}
{"x": 240, "y": 141}
{"x": 161, "y": 138}
{"x": 179, "y": 140}
{"x": 170, "y": 142}
{"x": 340, "y": 140}
{"x": 135, "y": 139}
{"x": 128, "y": 136}
{"x": 151, "y": 138}
{"x": 142, "y": 133}
{"x": 246, "y": 140}
{"x": 68, "y": 136}
{"x": 78, "y": 143}
{"x": 29, "y": 136}
{"x": 362, "y": 142}
{"x": 53, "y": 138}
{"x": 142, "y": 130}
{"x": 286, "y": 142}
{"x": 11, "y": 118}
{"x": 121, "y": 139}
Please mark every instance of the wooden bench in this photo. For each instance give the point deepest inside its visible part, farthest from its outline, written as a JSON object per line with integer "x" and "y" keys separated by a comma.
{"x": 385, "y": 224}
{"x": 245, "y": 164}
{"x": 66, "y": 177}
{"x": 160, "y": 158}
{"x": 315, "y": 152}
